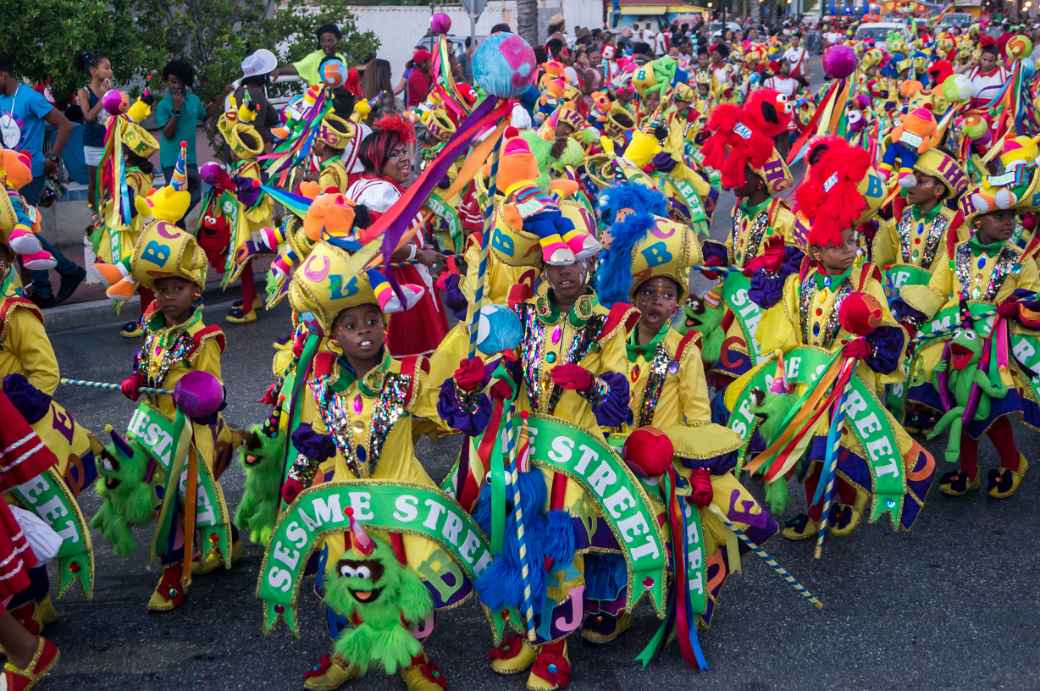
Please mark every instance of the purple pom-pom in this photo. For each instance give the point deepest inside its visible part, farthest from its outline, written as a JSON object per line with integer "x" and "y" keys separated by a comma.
{"x": 115, "y": 102}
{"x": 839, "y": 61}
{"x": 198, "y": 395}
{"x": 440, "y": 23}
{"x": 212, "y": 173}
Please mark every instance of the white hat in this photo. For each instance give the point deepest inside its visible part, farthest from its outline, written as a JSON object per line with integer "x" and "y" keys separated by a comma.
{"x": 260, "y": 62}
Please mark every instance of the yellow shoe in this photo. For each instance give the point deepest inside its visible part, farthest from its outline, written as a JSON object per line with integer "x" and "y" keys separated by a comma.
{"x": 513, "y": 656}
{"x": 131, "y": 330}
{"x": 169, "y": 594}
{"x": 801, "y": 527}
{"x": 24, "y": 678}
{"x": 46, "y": 611}
{"x": 1003, "y": 482}
{"x": 844, "y": 519}
{"x": 603, "y": 627}
{"x": 237, "y": 316}
{"x": 423, "y": 675}
{"x": 957, "y": 484}
{"x": 330, "y": 673}
{"x": 551, "y": 669}
{"x": 214, "y": 560}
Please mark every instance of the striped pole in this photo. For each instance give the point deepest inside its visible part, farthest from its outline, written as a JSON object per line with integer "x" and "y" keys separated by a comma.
{"x": 767, "y": 558}
{"x": 834, "y": 442}
{"x": 518, "y": 517}
{"x": 112, "y": 387}
{"x": 489, "y": 221}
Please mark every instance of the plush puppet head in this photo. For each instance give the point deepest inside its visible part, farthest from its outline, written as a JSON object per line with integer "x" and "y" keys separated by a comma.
{"x": 517, "y": 164}
{"x": 261, "y": 459}
{"x": 769, "y": 111}
{"x": 860, "y": 313}
{"x": 829, "y": 196}
{"x": 127, "y": 495}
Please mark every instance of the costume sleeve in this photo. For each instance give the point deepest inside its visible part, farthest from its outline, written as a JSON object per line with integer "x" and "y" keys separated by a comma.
{"x": 693, "y": 387}
{"x": 885, "y": 250}
{"x": 1028, "y": 280}
{"x": 778, "y": 329}
{"x": 29, "y": 342}
{"x": 207, "y": 357}
{"x": 930, "y": 298}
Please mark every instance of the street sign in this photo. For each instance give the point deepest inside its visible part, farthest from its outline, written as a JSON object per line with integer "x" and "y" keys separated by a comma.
{"x": 474, "y": 7}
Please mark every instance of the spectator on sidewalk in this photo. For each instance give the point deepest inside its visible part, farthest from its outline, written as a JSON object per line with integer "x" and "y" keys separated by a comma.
{"x": 24, "y": 115}
{"x": 178, "y": 115}
{"x": 419, "y": 79}
{"x": 307, "y": 68}
{"x": 99, "y": 75}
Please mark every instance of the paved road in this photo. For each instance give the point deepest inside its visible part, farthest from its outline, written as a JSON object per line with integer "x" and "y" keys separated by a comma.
{"x": 954, "y": 604}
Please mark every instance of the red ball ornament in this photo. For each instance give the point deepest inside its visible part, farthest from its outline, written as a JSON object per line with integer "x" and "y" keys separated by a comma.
{"x": 649, "y": 452}
{"x": 860, "y": 313}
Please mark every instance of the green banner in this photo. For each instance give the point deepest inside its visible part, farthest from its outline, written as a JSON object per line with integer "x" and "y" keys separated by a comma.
{"x": 746, "y": 312}
{"x": 689, "y": 197}
{"x": 168, "y": 442}
{"x": 442, "y": 210}
{"x": 899, "y": 275}
{"x": 588, "y": 460}
{"x": 48, "y": 497}
{"x": 395, "y": 506}
{"x": 864, "y": 417}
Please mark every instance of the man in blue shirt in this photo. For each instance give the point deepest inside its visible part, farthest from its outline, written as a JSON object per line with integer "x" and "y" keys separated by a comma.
{"x": 178, "y": 114}
{"x": 24, "y": 115}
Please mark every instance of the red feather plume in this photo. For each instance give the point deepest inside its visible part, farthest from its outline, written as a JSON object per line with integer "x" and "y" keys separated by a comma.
{"x": 829, "y": 197}
{"x": 396, "y": 123}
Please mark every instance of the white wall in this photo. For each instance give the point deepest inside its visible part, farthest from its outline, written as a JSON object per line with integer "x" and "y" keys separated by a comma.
{"x": 400, "y": 27}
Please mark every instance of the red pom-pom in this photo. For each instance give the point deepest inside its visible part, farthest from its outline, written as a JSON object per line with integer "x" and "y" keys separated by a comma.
{"x": 860, "y": 313}
{"x": 396, "y": 123}
{"x": 648, "y": 452}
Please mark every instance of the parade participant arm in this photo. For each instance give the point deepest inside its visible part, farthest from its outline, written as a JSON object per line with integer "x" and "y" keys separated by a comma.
{"x": 881, "y": 347}
{"x": 57, "y": 119}
{"x": 607, "y": 393}
{"x": 778, "y": 328}
{"x": 921, "y": 302}
{"x": 769, "y": 272}
{"x": 885, "y": 248}
{"x": 462, "y": 404}
{"x": 29, "y": 342}
{"x": 315, "y": 448}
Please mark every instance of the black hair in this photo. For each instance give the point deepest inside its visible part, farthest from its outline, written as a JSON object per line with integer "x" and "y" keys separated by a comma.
{"x": 343, "y": 102}
{"x": 329, "y": 29}
{"x": 540, "y": 54}
{"x": 257, "y": 80}
{"x": 991, "y": 49}
{"x": 501, "y": 27}
{"x": 7, "y": 64}
{"x": 181, "y": 69}
{"x": 554, "y": 47}
{"x": 85, "y": 60}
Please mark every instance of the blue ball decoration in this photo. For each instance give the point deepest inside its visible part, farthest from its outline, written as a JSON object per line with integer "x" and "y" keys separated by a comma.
{"x": 504, "y": 65}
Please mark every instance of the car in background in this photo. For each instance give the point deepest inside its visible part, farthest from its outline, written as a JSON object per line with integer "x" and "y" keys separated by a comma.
{"x": 878, "y": 31}
{"x": 717, "y": 29}
{"x": 960, "y": 20}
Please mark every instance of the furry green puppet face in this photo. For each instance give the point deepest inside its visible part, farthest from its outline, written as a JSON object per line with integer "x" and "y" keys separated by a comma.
{"x": 362, "y": 578}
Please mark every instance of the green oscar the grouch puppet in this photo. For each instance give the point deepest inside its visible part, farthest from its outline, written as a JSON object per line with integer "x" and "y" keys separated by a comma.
{"x": 126, "y": 485}
{"x": 699, "y": 314}
{"x": 960, "y": 373}
{"x": 382, "y": 597}
{"x": 261, "y": 459}
{"x": 773, "y": 410}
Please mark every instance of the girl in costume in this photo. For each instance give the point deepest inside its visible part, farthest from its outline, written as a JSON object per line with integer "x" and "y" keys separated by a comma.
{"x": 22, "y": 457}
{"x": 98, "y": 69}
{"x": 649, "y": 262}
{"x": 835, "y": 304}
{"x": 387, "y": 156}
{"x": 357, "y": 421}
{"x": 568, "y": 364}
{"x": 235, "y": 206}
{"x": 981, "y": 302}
{"x": 764, "y": 231}
{"x": 177, "y": 344}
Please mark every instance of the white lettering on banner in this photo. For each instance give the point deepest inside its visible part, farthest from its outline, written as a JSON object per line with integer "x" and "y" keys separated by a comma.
{"x": 406, "y": 508}
{"x": 296, "y": 535}
{"x": 436, "y": 509}
{"x": 205, "y": 514}
{"x": 1025, "y": 353}
{"x": 287, "y": 556}
{"x": 280, "y": 579}
{"x": 326, "y": 511}
{"x": 587, "y": 455}
{"x": 68, "y": 533}
{"x": 468, "y": 550}
{"x": 51, "y": 510}
{"x": 452, "y": 528}
{"x": 34, "y": 489}
{"x": 561, "y": 450}
{"x": 793, "y": 365}
{"x": 748, "y": 310}
{"x": 601, "y": 478}
{"x": 360, "y": 502}
{"x": 619, "y": 501}
{"x": 631, "y": 528}
{"x": 854, "y": 404}
{"x": 879, "y": 449}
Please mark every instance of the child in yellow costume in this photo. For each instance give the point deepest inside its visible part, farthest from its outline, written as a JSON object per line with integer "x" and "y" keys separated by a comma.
{"x": 834, "y": 308}
{"x": 909, "y": 248}
{"x": 358, "y": 418}
{"x": 568, "y": 364}
{"x": 649, "y": 263}
{"x": 235, "y": 207}
{"x": 977, "y": 318}
{"x": 177, "y": 342}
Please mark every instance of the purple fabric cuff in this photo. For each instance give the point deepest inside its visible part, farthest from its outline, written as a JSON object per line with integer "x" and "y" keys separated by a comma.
{"x": 904, "y": 312}
{"x": 248, "y": 191}
{"x": 470, "y": 416}
{"x": 713, "y": 248}
{"x": 611, "y": 403}
{"x": 766, "y": 289}
{"x": 317, "y": 447}
{"x": 32, "y": 403}
{"x": 792, "y": 261}
{"x": 454, "y": 299}
{"x": 886, "y": 344}
{"x": 716, "y": 465}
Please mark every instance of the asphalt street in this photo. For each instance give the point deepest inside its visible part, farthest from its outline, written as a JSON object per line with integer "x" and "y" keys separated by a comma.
{"x": 953, "y": 604}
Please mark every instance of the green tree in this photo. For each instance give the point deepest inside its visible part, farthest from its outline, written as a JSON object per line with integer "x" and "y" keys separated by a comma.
{"x": 142, "y": 35}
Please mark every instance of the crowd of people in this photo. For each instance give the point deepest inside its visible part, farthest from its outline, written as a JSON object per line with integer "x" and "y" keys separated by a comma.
{"x": 510, "y": 256}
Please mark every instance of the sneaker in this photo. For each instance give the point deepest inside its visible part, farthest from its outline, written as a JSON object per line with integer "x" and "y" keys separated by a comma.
{"x": 1004, "y": 482}
{"x": 957, "y": 484}
{"x": 843, "y": 519}
{"x": 43, "y": 661}
{"x": 69, "y": 283}
{"x": 131, "y": 330}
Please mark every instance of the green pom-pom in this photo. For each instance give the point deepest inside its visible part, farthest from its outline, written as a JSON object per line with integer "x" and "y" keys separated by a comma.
{"x": 777, "y": 495}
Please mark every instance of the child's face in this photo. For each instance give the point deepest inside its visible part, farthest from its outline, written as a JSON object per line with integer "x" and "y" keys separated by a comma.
{"x": 837, "y": 259}
{"x": 103, "y": 70}
{"x": 568, "y": 282}
{"x": 657, "y": 301}
{"x": 176, "y": 297}
{"x": 996, "y": 226}
{"x": 359, "y": 332}
{"x": 927, "y": 190}
{"x": 174, "y": 84}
